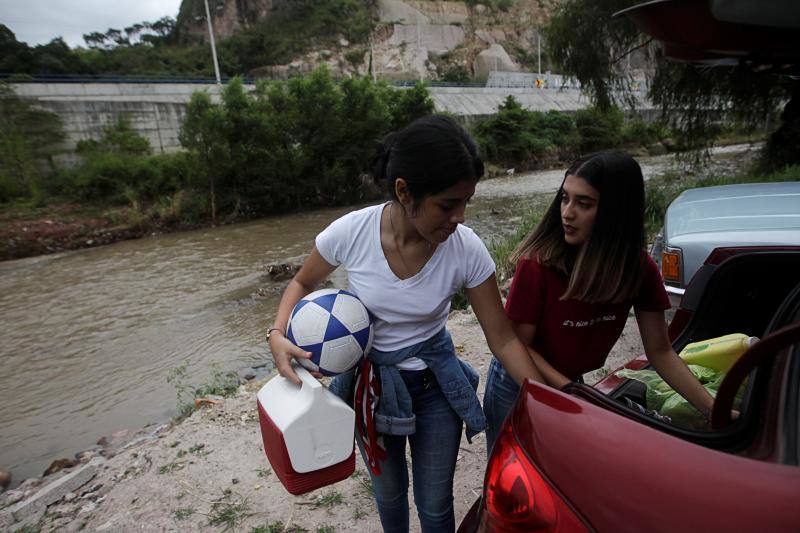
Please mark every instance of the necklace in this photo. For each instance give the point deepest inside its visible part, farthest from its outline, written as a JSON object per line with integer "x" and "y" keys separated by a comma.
{"x": 397, "y": 246}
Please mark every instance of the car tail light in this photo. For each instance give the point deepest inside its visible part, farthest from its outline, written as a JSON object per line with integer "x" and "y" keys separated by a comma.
{"x": 517, "y": 497}
{"x": 671, "y": 261}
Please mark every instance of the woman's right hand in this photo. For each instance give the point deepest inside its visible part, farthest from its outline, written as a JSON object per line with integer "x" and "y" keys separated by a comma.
{"x": 283, "y": 350}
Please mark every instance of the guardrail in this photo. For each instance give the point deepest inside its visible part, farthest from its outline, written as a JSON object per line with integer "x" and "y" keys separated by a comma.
{"x": 99, "y": 78}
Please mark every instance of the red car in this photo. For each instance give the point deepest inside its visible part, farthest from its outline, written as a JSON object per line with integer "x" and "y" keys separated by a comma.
{"x": 580, "y": 459}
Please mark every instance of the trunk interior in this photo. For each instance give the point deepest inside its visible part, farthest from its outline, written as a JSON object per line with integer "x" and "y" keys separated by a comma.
{"x": 743, "y": 295}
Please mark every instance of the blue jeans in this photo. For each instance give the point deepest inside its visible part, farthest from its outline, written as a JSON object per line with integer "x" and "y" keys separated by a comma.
{"x": 434, "y": 450}
{"x": 500, "y": 396}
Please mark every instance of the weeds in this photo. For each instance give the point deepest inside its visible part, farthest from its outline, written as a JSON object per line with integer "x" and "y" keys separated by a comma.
{"x": 199, "y": 449}
{"x": 366, "y": 486}
{"x": 183, "y": 513}
{"x": 277, "y": 527}
{"x": 329, "y": 500}
{"x": 220, "y": 383}
{"x": 170, "y": 467}
{"x": 325, "y": 529}
{"x": 358, "y": 514}
{"x": 229, "y": 514}
{"x": 263, "y": 472}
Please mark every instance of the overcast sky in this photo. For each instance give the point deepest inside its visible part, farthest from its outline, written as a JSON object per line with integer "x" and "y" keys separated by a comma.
{"x": 40, "y": 21}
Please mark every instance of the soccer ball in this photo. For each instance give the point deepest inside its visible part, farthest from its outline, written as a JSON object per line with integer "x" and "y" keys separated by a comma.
{"x": 335, "y": 327}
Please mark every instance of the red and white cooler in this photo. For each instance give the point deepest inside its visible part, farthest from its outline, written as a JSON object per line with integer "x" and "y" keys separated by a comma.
{"x": 307, "y": 432}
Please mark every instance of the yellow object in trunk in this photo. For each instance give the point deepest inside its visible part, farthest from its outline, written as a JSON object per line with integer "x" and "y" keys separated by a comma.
{"x": 718, "y": 353}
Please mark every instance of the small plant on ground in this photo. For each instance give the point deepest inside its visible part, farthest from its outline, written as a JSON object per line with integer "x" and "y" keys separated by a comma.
{"x": 228, "y": 513}
{"x": 170, "y": 467}
{"x": 329, "y": 500}
{"x": 366, "y": 485}
{"x": 220, "y": 383}
{"x": 183, "y": 513}
{"x": 199, "y": 449}
{"x": 277, "y": 527}
{"x": 263, "y": 472}
{"x": 358, "y": 514}
{"x": 325, "y": 529}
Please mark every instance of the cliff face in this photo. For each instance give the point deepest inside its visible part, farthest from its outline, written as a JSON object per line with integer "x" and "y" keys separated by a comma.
{"x": 227, "y": 16}
{"x": 412, "y": 39}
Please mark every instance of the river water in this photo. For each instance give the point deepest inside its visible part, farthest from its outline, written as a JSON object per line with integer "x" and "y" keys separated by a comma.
{"x": 88, "y": 337}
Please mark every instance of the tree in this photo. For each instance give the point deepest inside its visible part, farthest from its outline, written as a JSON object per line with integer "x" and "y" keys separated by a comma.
{"x": 200, "y": 135}
{"x": 588, "y": 43}
{"x": 28, "y": 139}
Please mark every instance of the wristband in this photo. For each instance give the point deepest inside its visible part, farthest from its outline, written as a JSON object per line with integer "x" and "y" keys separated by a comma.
{"x": 270, "y": 330}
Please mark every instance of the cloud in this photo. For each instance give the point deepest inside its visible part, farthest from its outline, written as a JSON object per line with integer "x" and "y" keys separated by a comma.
{"x": 40, "y": 21}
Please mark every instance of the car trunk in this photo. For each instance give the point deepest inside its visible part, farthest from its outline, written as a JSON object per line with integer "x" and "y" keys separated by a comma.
{"x": 740, "y": 295}
{"x": 626, "y": 469}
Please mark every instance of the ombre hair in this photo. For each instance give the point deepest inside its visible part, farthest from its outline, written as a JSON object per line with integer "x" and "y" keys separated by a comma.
{"x": 609, "y": 266}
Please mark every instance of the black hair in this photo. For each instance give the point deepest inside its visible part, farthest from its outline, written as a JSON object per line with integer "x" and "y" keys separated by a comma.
{"x": 431, "y": 154}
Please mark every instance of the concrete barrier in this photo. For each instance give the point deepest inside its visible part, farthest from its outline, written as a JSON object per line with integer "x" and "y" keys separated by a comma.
{"x": 156, "y": 110}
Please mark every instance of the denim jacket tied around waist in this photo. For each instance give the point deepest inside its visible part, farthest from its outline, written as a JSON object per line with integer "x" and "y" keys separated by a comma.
{"x": 457, "y": 380}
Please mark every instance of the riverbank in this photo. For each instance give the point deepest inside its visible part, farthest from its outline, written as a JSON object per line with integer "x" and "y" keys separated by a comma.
{"x": 28, "y": 231}
{"x": 31, "y": 231}
{"x": 209, "y": 472}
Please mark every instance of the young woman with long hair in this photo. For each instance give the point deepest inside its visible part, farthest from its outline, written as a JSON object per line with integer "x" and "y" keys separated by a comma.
{"x": 578, "y": 274}
{"x": 405, "y": 259}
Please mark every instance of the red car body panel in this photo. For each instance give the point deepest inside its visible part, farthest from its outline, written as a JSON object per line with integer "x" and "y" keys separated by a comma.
{"x": 624, "y": 476}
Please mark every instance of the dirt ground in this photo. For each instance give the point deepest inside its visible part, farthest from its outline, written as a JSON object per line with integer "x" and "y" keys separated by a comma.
{"x": 209, "y": 472}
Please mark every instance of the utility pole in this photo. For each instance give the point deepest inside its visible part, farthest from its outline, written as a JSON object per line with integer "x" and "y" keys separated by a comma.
{"x": 539, "y": 50}
{"x": 213, "y": 46}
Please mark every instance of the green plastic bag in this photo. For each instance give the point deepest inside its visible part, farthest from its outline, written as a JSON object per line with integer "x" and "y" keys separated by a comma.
{"x": 664, "y": 400}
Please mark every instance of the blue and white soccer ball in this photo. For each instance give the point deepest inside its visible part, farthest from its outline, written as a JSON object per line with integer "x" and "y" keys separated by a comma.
{"x": 335, "y": 327}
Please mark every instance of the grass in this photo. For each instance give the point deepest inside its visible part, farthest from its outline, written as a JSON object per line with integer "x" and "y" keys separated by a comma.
{"x": 219, "y": 383}
{"x": 366, "y": 485}
{"x": 183, "y": 513}
{"x": 329, "y": 500}
{"x": 501, "y": 250}
{"x": 170, "y": 467}
{"x": 263, "y": 472}
{"x": 199, "y": 449}
{"x": 229, "y": 514}
{"x": 277, "y": 527}
{"x": 325, "y": 529}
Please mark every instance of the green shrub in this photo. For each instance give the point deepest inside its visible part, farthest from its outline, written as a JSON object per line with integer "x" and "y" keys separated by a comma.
{"x": 304, "y": 142}
{"x": 516, "y": 137}
{"x": 598, "y": 130}
{"x": 29, "y": 138}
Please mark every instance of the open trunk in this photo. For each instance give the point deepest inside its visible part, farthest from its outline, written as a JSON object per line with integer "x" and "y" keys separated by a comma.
{"x": 753, "y": 293}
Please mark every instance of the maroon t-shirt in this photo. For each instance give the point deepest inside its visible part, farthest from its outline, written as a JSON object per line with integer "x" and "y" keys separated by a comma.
{"x": 574, "y": 336}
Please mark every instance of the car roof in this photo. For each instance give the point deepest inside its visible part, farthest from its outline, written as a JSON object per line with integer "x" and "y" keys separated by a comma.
{"x": 741, "y": 207}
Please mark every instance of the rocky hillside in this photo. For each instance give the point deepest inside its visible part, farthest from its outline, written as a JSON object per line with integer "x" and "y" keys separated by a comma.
{"x": 410, "y": 39}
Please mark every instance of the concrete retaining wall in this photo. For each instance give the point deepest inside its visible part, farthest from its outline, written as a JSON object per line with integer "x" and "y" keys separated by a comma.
{"x": 156, "y": 110}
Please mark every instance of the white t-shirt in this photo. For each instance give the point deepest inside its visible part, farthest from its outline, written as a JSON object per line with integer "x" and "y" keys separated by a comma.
{"x": 410, "y": 310}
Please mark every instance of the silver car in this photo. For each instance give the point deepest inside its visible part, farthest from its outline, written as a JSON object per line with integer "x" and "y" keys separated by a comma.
{"x": 744, "y": 215}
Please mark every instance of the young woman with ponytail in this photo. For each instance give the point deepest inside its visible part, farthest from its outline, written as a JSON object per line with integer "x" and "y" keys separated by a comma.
{"x": 405, "y": 259}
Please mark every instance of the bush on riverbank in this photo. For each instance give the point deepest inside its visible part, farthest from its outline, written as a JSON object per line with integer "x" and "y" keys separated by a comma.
{"x": 300, "y": 144}
{"x": 28, "y": 140}
{"x": 304, "y": 143}
{"x": 522, "y": 139}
